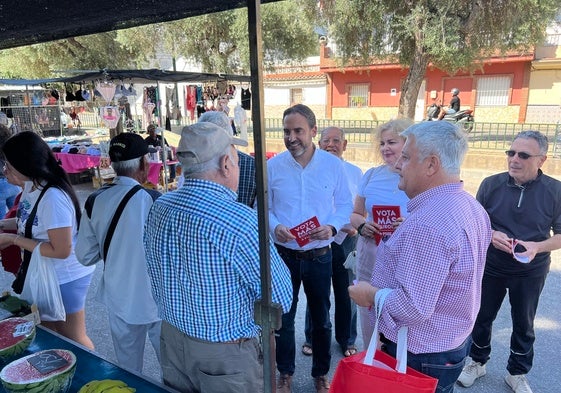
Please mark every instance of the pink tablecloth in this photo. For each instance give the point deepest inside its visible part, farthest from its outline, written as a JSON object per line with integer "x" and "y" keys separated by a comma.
{"x": 77, "y": 163}
{"x": 154, "y": 171}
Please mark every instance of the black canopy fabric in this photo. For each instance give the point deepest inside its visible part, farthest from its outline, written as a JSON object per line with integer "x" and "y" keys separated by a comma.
{"x": 134, "y": 76}
{"x": 31, "y": 22}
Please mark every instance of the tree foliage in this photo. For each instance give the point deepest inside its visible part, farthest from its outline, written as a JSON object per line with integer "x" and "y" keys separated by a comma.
{"x": 92, "y": 52}
{"x": 452, "y": 35}
{"x": 218, "y": 42}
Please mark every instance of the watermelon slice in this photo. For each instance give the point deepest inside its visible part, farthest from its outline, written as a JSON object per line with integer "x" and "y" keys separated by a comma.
{"x": 16, "y": 334}
{"x": 21, "y": 376}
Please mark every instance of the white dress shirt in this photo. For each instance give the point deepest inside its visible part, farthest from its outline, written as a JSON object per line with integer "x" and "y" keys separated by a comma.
{"x": 297, "y": 194}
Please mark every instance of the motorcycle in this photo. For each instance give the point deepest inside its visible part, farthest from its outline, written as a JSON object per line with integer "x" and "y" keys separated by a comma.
{"x": 463, "y": 119}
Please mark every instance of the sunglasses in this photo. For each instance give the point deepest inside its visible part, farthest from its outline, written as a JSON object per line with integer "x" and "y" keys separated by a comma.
{"x": 521, "y": 154}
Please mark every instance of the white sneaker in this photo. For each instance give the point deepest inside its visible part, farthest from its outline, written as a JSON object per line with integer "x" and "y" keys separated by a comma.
{"x": 472, "y": 370}
{"x": 518, "y": 383}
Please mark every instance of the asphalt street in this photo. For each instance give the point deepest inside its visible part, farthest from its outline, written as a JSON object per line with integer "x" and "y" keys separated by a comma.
{"x": 544, "y": 377}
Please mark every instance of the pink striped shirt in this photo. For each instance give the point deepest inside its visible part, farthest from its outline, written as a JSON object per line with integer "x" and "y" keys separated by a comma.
{"x": 434, "y": 263}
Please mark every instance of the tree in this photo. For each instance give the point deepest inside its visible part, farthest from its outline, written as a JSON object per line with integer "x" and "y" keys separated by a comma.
{"x": 452, "y": 35}
{"x": 92, "y": 52}
{"x": 219, "y": 42}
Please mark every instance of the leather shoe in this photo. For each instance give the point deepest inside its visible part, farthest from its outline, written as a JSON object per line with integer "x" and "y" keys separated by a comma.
{"x": 321, "y": 384}
{"x": 284, "y": 383}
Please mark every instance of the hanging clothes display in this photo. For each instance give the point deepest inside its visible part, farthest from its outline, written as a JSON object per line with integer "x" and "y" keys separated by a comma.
{"x": 106, "y": 89}
{"x": 110, "y": 116}
{"x": 246, "y": 99}
{"x": 191, "y": 100}
{"x": 240, "y": 120}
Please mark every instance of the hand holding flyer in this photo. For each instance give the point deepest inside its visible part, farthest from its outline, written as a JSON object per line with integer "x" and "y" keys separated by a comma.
{"x": 384, "y": 216}
{"x": 517, "y": 249}
{"x": 301, "y": 231}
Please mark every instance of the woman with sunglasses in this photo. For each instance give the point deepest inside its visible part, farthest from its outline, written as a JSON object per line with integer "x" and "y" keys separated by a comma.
{"x": 29, "y": 162}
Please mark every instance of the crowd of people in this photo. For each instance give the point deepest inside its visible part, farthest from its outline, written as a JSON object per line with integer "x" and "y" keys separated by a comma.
{"x": 189, "y": 275}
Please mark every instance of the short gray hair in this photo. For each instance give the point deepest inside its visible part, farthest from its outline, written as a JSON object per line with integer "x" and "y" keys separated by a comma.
{"x": 333, "y": 128}
{"x": 442, "y": 139}
{"x": 538, "y": 137}
{"x": 198, "y": 171}
{"x": 127, "y": 168}
{"x": 219, "y": 118}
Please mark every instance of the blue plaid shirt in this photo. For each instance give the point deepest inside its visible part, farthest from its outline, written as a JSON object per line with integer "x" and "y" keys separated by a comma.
{"x": 202, "y": 249}
{"x": 247, "y": 189}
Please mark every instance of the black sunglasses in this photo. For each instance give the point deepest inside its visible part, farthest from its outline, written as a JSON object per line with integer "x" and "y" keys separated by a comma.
{"x": 521, "y": 154}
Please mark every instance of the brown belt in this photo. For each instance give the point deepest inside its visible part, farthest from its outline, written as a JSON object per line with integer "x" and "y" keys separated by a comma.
{"x": 308, "y": 254}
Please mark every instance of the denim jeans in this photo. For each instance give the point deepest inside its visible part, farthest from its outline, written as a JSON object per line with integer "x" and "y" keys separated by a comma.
{"x": 345, "y": 307}
{"x": 315, "y": 275}
{"x": 444, "y": 366}
{"x": 524, "y": 294}
{"x": 8, "y": 193}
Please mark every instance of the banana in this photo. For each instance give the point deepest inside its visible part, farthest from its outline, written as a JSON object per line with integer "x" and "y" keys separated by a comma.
{"x": 87, "y": 387}
{"x": 105, "y": 384}
{"x": 120, "y": 389}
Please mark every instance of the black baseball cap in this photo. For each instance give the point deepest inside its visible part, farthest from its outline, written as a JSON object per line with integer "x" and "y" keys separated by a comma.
{"x": 127, "y": 146}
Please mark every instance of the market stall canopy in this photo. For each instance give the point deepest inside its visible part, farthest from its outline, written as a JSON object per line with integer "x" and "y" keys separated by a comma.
{"x": 131, "y": 76}
{"x": 47, "y": 20}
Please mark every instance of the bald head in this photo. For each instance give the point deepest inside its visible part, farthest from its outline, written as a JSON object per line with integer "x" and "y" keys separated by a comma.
{"x": 332, "y": 139}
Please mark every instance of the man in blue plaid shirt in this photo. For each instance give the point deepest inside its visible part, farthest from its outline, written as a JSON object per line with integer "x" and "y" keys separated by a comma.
{"x": 202, "y": 250}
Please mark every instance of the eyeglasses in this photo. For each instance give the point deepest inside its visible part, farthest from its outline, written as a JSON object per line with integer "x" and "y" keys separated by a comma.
{"x": 335, "y": 141}
{"x": 521, "y": 154}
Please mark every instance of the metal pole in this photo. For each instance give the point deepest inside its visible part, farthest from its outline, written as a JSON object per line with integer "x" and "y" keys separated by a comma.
{"x": 163, "y": 144}
{"x": 267, "y": 314}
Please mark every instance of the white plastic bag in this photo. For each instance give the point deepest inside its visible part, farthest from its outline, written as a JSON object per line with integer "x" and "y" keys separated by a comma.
{"x": 41, "y": 287}
{"x": 350, "y": 262}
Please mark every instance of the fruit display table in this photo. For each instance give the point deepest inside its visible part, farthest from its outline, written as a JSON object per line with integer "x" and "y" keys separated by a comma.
{"x": 90, "y": 366}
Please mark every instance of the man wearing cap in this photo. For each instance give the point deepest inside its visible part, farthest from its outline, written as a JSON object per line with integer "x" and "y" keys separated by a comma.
{"x": 153, "y": 139}
{"x": 308, "y": 193}
{"x": 247, "y": 188}
{"x": 202, "y": 250}
{"x": 125, "y": 286}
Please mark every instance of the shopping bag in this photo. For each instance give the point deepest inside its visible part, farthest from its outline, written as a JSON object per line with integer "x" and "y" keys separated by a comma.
{"x": 41, "y": 287}
{"x": 374, "y": 371}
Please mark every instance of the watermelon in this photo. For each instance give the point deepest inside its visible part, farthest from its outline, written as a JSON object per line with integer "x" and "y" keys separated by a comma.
{"x": 21, "y": 376}
{"x": 16, "y": 334}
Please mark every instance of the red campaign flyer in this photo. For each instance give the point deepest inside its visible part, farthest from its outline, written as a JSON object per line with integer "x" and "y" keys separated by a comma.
{"x": 301, "y": 231}
{"x": 385, "y": 216}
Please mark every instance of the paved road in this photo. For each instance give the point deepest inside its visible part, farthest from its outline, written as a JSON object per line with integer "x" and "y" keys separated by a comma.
{"x": 544, "y": 377}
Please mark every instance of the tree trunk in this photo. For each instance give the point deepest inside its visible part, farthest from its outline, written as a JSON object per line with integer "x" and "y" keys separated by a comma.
{"x": 412, "y": 84}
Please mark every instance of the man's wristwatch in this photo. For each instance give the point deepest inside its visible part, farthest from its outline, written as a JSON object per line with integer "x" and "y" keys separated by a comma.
{"x": 359, "y": 229}
{"x": 333, "y": 230}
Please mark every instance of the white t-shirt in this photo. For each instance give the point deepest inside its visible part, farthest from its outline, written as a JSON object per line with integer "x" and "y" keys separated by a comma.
{"x": 55, "y": 210}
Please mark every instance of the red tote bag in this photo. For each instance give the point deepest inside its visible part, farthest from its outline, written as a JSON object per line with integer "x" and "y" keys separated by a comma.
{"x": 11, "y": 255}
{"x": 374, "y": 371}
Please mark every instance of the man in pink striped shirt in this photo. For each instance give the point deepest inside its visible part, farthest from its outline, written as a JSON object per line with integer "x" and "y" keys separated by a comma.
{"x": 434, "y": 260}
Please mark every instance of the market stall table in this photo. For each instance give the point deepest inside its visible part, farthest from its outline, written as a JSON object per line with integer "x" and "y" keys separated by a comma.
{"x": 90, "y": 366}
{"x": 78, "y": 163}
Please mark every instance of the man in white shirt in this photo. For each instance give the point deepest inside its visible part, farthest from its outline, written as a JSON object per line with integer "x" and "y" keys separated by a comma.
{"x": 306, "y": 184}
{"x": 333, "y": 140}
{"x": 125, "y": 285}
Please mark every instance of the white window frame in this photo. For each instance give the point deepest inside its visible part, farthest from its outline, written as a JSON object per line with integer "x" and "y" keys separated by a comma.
{"x": 296, "y": 93}
{"x": 493, "y": 90}
{"x": 358, "y": 95}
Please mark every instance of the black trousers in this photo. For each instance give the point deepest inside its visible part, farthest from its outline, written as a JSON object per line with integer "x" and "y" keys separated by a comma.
{"x": 523, "y": 295}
